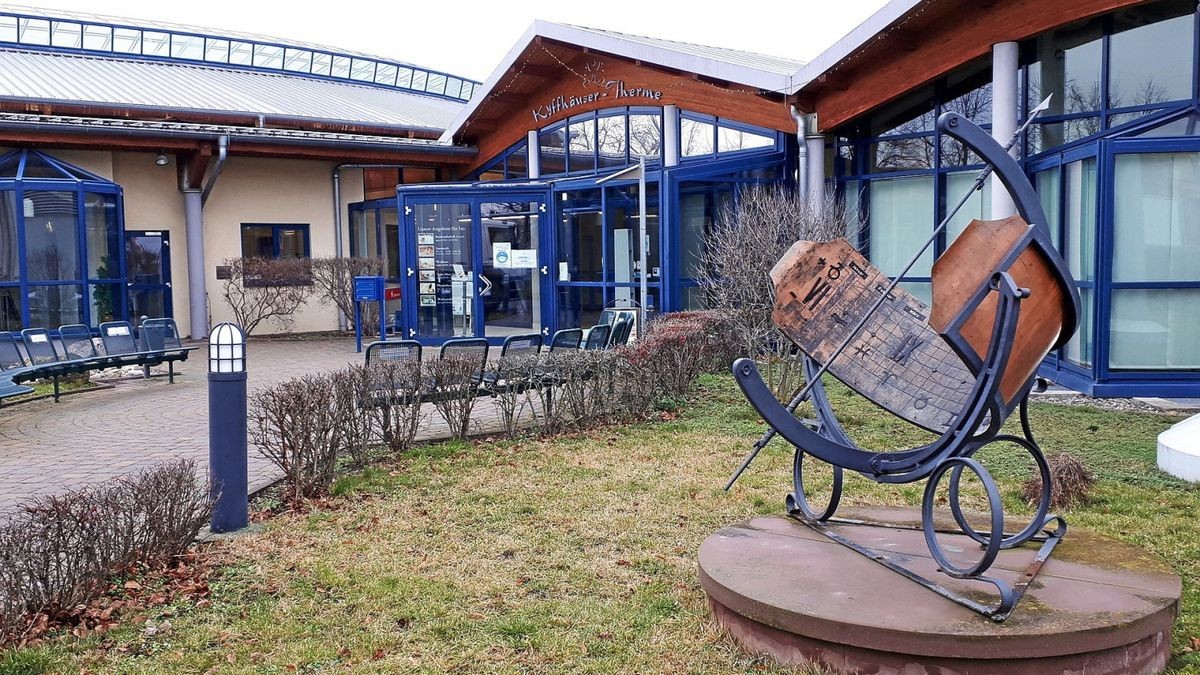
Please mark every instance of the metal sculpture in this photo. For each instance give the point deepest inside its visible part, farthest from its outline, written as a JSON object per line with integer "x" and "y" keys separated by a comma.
{"x": 1002, "y": 299}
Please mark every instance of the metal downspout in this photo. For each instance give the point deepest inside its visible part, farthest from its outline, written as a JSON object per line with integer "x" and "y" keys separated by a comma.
{"x": 222, "y": 153}
{"x": 801, "y": 155}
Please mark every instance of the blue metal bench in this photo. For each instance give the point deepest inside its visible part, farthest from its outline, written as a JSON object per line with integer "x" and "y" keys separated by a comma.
{"x": 620, "y": 330}
{"x": 160, "y": 343}
{"x": 597, "y": 337}
{"x": 514, "y": 346}
{"x": 393, "y": 350}
{"x": 567, "y": 338}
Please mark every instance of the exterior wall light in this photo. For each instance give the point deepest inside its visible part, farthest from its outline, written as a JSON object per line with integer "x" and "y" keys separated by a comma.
{"x": 161, "y": 160}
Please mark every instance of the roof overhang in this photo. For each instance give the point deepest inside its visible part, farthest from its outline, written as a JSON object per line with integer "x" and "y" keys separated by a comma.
{"x": 659, "y": 54}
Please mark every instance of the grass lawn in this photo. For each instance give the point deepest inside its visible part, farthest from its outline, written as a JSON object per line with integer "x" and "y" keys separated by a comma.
{"x": 577, "y": 554}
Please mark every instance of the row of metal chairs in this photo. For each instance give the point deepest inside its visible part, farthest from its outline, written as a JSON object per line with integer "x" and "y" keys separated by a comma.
{"x": 600, "y": 336}
{"x": 32, "y": 354}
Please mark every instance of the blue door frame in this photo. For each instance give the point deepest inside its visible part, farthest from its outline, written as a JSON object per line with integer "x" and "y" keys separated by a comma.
{"x": 474, "y": 196}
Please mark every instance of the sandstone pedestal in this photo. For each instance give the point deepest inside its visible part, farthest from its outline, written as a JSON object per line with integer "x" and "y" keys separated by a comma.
{"x": 782, "y": 589}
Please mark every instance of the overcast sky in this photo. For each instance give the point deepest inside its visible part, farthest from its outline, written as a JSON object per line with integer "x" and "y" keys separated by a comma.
{"x": 469, "y": 37}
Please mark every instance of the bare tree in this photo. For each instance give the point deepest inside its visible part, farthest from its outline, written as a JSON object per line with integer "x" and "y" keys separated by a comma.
{"x": 333, "y": 281}
{"x": 258, "y": 289}
{"x": 752, "y": 234}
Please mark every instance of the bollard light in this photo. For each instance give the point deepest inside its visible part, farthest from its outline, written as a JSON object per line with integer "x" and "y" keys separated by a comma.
{"x": 226, "y": 349}
{"x": 227, "y": 461}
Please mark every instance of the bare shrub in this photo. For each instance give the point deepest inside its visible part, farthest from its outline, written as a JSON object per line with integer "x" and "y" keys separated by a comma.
{"x": 57, "y": 552}
{"x": 1070, "y": 482}
{"x": 678, "y": 347}
{"x": 259, "y": 289}
{"x": 516, "y": 379}
{"x": 453, "y": 385}
{"x": 751, "y": 235}
{"x": 394, "y": 397}
{"x": 333, "y": 281}
{"x": 294, "y": 424}
{"x": 351, "y": 388}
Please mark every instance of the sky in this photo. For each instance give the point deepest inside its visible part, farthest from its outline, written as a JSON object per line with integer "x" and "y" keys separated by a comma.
{"x": 469, "y": 37}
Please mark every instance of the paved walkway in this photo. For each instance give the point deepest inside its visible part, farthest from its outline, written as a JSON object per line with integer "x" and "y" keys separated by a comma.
{"x": 48, "y": 447}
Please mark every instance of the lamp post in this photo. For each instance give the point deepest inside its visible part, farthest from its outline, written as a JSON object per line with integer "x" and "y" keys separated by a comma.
{"x": 228, "y": 479}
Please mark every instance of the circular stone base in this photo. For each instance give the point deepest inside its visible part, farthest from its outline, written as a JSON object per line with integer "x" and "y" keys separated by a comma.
{"x": 783, "y": 589}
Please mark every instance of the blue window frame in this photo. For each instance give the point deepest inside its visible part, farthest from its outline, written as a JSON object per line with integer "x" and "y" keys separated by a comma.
{"x": 275, "y": 240}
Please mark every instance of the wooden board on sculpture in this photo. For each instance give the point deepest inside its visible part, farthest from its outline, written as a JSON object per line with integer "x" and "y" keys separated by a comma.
{"x": 822, "y": 289}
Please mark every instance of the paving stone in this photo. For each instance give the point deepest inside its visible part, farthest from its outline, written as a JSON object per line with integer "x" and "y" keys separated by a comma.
{"x": 48, "y": 447}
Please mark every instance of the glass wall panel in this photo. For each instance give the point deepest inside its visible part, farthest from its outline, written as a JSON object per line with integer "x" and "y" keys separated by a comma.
{"x": 104, "y": 299}
{"x": 581, "y": 246}
{"x": 1049, "y": 191}
{"x": 553, "y": 151}
{"x": 258, "y": 241}
{"x": 1080, "y": 217}
{"x": 582, "y": 145}
{"x": 103, "y": 236}
{"x": 10, "y": 308}
{"x": 518, "y": 162}
{"x": 51, "y": 235}
{"x": 513, "y": 306}
{"x": 1079, "y": 349}
{"x": 1150, "y": 55}
{"x": 579, "y": 306}
{"x": 645, "y": 135}
{"x": 625, "y": 250}
{"x": 921, "y": 290}
{"x": 902, "y": 154}
{"x": 611, "y": 142}
{"x": 446, "y": 304}
{"x": 732, "y": 140}
{"x": 293, "y": 242}
{"x": 10, "y": 267}
{"x": 1156, "y": 220}
{"x": 54, "y": 306}
{"x": 901, "y": 219}
{"x": 1068, "y": 66}
{"x": 978, "y": 206}
{"x": 1155, "y": 329}
{"x": 695, "y": 222}
{"x": 366, "y": 243}
{"x": 695, "y": 138}
{"x": 389, "y": 221}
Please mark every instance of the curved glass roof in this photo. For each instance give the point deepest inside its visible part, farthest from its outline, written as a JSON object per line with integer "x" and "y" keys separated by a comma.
{"x": 94, "y": 34}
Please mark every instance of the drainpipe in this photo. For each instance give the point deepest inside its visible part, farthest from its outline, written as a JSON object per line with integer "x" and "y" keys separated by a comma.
{"x": 816, "y": 163}
{"x": 193, "y": 220}
{"x": 1004, "y": 116}
{"x": 801, "y": 156}
{"x": 222, "y": 153}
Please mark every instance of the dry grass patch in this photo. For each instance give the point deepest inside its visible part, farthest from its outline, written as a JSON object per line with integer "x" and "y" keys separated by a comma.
{"x": 575, "y": 554}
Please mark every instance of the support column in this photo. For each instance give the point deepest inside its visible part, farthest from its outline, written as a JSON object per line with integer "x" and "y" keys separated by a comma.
{"x": 533, "y": 153}
{"x": 815, "y": 144}
{"x": 197, "y": 290}
{"x": 1004, "y": 116}
{"x": 670, "y": 135}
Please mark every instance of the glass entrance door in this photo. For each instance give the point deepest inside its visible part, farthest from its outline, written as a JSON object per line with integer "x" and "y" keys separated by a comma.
{"x": 476, "y": 266}
{"x": 148, "y": 274}
{"x": 511, "y": 269}
{"x": 442, "y": 272}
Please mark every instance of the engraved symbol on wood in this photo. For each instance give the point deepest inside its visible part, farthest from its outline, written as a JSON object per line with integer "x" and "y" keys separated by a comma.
{"x": 819, "y": 291}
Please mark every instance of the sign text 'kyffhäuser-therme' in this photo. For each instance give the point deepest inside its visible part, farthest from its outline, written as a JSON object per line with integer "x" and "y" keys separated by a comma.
{"x": 602, "y": 88}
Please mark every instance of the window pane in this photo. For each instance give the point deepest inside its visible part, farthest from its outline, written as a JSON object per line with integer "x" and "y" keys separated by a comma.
{"x": 66, "y": 34}
{"x": 389, "y": 219}
{"x": 1156, "y": 224}
{"x": 404, "y": 77}
{"x": 978, "y": 206}
{"x": 241, "y": 53}
{"x": 419, "y": 80}
{"x": 553, "y": 157}
{"x": 187, "y": 46}
{"x": 1151, "y": 62}
{"x": 518, "y": 162}
{"x": 901, "y": 220}
{"x": 34, "y": 31}
{"x": 216, "y": 50}
{"x": 257, "y": 241}
{"x": 51, "y": 236}
{"x": 297, "y": 60}
{"x": 645, "y": 135}
{"x": 1068, "y": 66}
{"x": 362, "y": 69}
{"x": 1155, "y": 329}
{"x": 582, "y": 137}
{"x": 1080, "y": 216}
{"x": 1047, "y": 185}
{"x": 695, "y": 138}
{"x": 902, "y": 154}
{"x": 9, "y": 263}
{"x": 581, "y": 246}
{"x": 268, "y": 56}
{"x": 436, "y": 84}
{"x": 732, "y": 140}
{"x": 1079, "y": 349}
{"x": 155, "y": 43}
{"x": 8, "y": 33}
{"x": 293, "y": 242}
{"x": 340, "y": 67}
{"x": 610, "y": 141}
{"x": 10, "y": 308}
{"x": 921, "y": 290}
{"x": 321, "y": 63}
{"x": 103, "y": 236}
{"x": 98, "y": 38}
{"x": 54, "y": 306}
{"x": 127, "y": 41}
{"x": 385, "y": 74}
